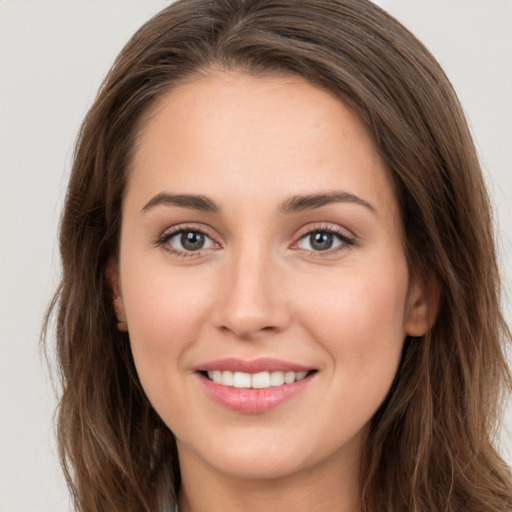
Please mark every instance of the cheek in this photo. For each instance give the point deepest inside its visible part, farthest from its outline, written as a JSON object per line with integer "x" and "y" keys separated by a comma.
{"x": 360, "y": 322}
{"x": 360, "y": 327}
{"x": 164, "y": 310}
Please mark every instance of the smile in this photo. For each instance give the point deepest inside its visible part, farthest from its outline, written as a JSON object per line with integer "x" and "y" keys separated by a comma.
{"x": 260, "y": 380}
{"x": 255, "y": 386}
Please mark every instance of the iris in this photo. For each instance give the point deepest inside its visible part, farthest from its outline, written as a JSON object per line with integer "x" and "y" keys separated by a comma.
{"x": 192, "y": 240}
{"x": 321, "y": 241}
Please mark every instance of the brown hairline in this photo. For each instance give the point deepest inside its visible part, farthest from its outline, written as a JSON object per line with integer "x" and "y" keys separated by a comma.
{"x": 430, "y": 446}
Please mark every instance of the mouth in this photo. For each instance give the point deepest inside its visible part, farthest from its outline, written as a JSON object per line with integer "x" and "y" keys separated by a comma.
{"x": 254, "y": 386}
{"x": 259, "y": 380}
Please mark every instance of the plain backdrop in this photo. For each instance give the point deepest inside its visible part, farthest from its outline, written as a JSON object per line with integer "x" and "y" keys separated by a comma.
{"x": 53, "y": 55}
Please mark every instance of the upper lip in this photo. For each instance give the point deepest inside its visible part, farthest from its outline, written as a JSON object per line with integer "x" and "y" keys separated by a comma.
{"x": 252, "y": 366}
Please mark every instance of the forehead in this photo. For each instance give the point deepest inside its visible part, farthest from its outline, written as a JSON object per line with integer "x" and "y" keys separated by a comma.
{"x": 242, "y": 136}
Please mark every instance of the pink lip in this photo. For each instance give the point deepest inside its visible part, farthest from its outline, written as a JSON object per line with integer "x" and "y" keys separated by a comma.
{"x": 252, "y": 366}
{"x": 252, "y": 401}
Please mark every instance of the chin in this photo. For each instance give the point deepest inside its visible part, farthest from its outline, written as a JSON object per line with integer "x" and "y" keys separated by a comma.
{"x": 267, "y": 455}
{"x": 261, "y": 466}
{"x": 252, "y": 456}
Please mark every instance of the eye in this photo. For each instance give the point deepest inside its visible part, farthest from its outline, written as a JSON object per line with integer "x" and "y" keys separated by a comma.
{"x": 186, "y": 241}
{"x": 323, "y": 240}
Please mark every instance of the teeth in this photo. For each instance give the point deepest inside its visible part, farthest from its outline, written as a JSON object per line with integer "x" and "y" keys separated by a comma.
{"x": 289, "y": 377}
{"x": 227, "y": 379}
{"x": 276, "y": 378}
{"x": 241, "y": 380}
{"x": 261, "y": 380}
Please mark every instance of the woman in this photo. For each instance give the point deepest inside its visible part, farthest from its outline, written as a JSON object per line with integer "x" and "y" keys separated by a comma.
{"x": 279, "y": 283}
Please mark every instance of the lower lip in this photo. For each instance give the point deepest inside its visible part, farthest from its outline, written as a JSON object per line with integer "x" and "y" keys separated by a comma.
{"x": 250, "y": 400}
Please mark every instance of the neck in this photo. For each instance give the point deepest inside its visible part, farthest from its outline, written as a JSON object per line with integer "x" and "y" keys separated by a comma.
{"x": 326, "y": 487}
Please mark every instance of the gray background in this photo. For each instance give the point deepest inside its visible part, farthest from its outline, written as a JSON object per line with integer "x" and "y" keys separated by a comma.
{"x": 53, "y": 55}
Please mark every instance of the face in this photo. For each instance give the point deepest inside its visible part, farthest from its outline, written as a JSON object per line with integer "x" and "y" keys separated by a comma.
{"x": 262, "y": 275}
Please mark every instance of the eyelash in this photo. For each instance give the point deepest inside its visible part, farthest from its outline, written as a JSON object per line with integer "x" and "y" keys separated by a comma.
{"x": 346, "y": 241}
{"x": 163, "y": 240}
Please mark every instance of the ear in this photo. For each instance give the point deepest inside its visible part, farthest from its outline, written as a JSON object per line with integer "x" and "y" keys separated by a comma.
{"x": 422, "y": 305}
{"x": 112, "y": 275}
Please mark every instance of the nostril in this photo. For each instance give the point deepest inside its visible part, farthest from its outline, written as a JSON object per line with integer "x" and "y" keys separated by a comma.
{"x": 248, "y": 328}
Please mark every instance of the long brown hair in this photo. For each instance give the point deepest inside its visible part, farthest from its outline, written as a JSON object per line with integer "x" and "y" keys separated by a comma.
{"x": 430, "y": 446}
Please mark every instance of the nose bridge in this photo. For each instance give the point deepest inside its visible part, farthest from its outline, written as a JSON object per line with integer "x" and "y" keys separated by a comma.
{"x": 252, "y": 298}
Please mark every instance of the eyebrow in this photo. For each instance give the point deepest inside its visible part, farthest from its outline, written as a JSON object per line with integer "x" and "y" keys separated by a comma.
{"x": 294, "y": 204}
{"x": 190, "y": 201}
{"x": 312, "y": 201}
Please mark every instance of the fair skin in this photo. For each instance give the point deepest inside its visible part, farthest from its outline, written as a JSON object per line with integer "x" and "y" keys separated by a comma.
{"x": 247, "y": 276}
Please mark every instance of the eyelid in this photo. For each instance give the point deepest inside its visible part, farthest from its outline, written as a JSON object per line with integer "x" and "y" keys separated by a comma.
{"x": 347, "y": 238}
{"x": 172, "y": 231}
{"x": 324, "y": 226}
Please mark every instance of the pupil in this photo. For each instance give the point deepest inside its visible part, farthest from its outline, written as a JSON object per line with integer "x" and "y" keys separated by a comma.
{"x": 321, "y": 241}
{"x": 192, "y": 241}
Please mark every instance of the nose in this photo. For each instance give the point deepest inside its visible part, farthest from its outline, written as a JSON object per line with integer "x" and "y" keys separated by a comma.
{"x": 252, "y": 297}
